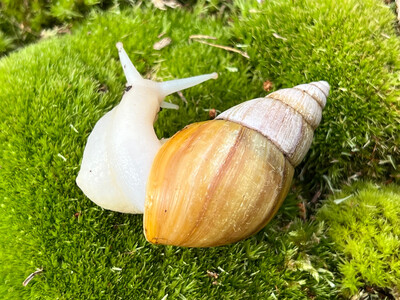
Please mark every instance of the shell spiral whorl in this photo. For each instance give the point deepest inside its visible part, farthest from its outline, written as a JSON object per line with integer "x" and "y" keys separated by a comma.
{"x": 220, "y": 181}
{"x": 287, "y": 117}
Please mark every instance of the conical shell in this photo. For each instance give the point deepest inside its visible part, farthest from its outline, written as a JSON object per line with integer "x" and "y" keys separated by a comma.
{"x": 218, "y": 182}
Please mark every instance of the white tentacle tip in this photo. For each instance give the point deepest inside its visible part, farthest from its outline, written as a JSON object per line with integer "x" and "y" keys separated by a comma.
{"x": 120, "y": 46}
{"x": 214, "y": 75}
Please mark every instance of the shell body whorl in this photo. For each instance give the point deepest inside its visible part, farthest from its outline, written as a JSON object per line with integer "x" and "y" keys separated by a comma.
{"x": 220, "y": 181}
{"x": 194, "y": 200}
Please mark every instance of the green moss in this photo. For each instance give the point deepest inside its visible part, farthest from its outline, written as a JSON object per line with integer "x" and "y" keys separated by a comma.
{"x": 365, "y": 227}
{"x": 5, "y": 43}
{"x": 359, "y": 57}
{"x": 23, "y": 21}
{"x": 52, "y": 94}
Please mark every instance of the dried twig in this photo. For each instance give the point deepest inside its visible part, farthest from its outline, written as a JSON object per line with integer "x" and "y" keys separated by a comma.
{"x": 212, "y": 274}
{"x": 61, "y": 156}
{"x": 244, "y": 54}
{"x": 161, "y": 4}
{"x": 162, "y": 43}
{"x": 161, "y": 35}
{"x": 57, "y": 30}
{"x": 398, "y": 10}
{"x": 277, "y": 36}
{"x": 202, "y": 36}
{"x": 316, "y": 196}
{"x": 182, "y": 97}
{"x": 30, "y": 277}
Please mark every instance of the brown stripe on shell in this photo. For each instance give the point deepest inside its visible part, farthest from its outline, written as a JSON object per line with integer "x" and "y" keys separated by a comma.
{"x": 284, "y": 190}
{"x": 176, "y": 161}
{"x": 228, "y": 194}
{"x": 245, "y": 210}
{"x": 224, "y": 167}
{"x": 261, "y": 207}
{"x": 208, "y": 150}
{"x": 179, "y": 182}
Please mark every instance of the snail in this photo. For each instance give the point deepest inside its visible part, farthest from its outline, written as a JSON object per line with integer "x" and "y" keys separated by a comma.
{"x": 122, "y": 145}
{"x": 220, "y": 181}
{"x": 213, "y": 183}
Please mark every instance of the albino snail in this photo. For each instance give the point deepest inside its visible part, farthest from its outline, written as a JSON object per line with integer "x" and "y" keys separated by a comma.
{"x": 214, "y": 182}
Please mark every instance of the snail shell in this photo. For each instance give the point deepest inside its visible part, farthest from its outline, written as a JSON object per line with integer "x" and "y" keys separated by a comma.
{"x": 220, "y": 181}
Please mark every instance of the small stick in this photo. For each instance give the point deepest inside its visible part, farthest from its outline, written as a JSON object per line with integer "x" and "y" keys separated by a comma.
{"x": 182, "y": 97}
{"x": 62, "y": 157}
{"x": 398, "y": 10}
{"x": 162, "y": 43}
{"x": 202, "y": 36}
{"x": 30, "y": 277}
{"x": 225, "y": 48}
{"x": 277, "y": 36}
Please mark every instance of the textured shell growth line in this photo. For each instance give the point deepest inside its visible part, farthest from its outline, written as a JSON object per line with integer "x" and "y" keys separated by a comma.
{"x": 287, "y": 117}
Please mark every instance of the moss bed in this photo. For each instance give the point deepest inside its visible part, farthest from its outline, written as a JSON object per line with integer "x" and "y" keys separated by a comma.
{"x": 364, "y": 224}
{"x": 52, "y": 93}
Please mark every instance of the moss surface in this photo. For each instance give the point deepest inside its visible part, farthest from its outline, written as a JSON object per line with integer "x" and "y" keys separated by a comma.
{"x": 365, "y": 226}
{"x": 23, "y": 22}
{"x": 52, "y": 94}
{"x": 359, "y": 57}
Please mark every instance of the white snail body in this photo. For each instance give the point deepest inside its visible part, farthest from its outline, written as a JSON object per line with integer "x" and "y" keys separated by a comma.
{"x": 121, "y": 148}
